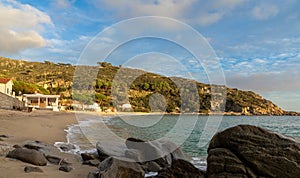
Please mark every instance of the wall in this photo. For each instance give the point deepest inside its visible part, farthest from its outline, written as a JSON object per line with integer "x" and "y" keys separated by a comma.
{"x": 3, "y": 87}
{"x": 8, "y": 102}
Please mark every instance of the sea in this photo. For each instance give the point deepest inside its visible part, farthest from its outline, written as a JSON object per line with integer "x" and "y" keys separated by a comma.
{"x": 191, "y": 133}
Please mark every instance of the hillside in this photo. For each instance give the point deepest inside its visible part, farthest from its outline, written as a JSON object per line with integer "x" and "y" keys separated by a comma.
{"x": 51, "y": 78}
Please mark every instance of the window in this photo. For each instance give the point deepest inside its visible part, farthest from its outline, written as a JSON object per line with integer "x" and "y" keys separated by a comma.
{"x": 7, "y": 90}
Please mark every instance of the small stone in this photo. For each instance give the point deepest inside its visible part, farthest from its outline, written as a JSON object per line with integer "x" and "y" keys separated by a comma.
{"x": 28, "y": 169}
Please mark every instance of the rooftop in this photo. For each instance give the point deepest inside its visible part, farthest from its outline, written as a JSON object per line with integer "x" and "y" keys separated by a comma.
{"x": 4, "y": 80}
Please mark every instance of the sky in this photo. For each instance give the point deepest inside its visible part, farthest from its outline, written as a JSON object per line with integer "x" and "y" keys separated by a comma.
{"x": 256, "y": 42}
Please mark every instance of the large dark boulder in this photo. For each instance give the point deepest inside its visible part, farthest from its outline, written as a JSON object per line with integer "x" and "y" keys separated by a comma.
{"x": 181, "y": 168}
{"x": 29, "y": 156}
{"x": 112, "y": 167}
{"x": 106, "y": 149}
{"x": 250, "y": 151}
{"x": 161, "y": 151}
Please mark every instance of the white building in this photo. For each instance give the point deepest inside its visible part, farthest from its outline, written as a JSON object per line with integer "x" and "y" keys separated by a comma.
{"x": 41, "y": 101}
{"x": 6, "y": 86}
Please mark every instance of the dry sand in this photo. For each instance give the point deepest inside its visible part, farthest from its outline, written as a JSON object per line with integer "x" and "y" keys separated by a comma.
{"x": 45, "y": 126}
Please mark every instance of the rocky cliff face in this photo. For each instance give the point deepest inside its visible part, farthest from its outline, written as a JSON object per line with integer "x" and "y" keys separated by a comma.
{"x": 250, "y": 103}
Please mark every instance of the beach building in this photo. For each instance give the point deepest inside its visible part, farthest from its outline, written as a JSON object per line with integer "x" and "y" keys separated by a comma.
{"x": 40, "y": 101}
{"x": 7, "y": 98}
{"x": 6, "y": 86}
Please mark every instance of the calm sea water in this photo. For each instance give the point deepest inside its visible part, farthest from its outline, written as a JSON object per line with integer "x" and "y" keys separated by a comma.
{"x": 185, "y": 130}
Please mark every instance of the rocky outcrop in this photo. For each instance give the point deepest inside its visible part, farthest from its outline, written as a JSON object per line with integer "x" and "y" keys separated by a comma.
{"x": 181, "y": 168}
{"x": 29, "y": 156}
{"x": 250, "y": 151}
{"x": 135, "y": 156}
{"x": 112, "y": 167}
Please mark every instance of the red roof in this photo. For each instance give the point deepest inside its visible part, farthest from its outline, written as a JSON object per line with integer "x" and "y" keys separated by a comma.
{"x": 4, "y": 80}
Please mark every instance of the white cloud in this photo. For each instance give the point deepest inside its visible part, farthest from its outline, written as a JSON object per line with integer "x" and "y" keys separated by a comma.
{"x": 20, "y": 26}
{"x": 288, "y": 100}
{"x": 190, "y": 11}
{"x": 266, "y": 82}
{"x": 63, "y": 4}
{"x": 265, "y": 11}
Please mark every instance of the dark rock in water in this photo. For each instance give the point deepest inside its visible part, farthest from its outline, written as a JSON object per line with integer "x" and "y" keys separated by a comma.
{"x": 29, "y": 156}
{"x": 57, "y": 160}
{"x": 29, "y": 169}
{"x": 181, "y": 168}
{"x": 112, "y": 167}
{"x": 93, "y": 162}
{"x": 89, "y": 156}
{"x": 250, "y": 151}
{"x": 147, "y": 150}
{"x": 103, "y": 151}
{"x": 65, "y": 168}
{"x": 162, "y": 151}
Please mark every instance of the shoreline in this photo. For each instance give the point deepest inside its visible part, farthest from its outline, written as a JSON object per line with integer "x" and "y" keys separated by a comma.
{"x": 45, "y": 126}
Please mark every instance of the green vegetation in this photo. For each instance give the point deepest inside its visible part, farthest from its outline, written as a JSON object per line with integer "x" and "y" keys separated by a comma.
{"x": 115, "y": 86}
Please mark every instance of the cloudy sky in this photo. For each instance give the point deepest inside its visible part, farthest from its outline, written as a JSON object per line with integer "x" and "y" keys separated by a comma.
{"x": 256, "y": 41}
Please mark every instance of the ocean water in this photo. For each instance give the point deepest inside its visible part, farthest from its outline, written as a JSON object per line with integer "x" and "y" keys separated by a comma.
{"x": 191, "y": 132}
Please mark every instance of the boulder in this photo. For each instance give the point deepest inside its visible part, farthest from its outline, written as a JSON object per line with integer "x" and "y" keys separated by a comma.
{"x": 160, "y": 151}
{"x": 29, "y": 156}
{"x": 147, "y": 150}
{"x": 29, "y": 169}
{"x": 65, "y": 168}
{"x": 57, "y": 160}
{"x": 93, "y": 162}
{"x": 104, "y": 150}
{"x": 250, "y": 151}
{"x": 181, "y": 168}
{"x": 89, "y": 156}
{"x": 112, "y": 167}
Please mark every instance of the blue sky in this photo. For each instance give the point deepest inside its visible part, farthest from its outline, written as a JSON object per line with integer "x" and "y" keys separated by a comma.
{"x": 256, "y": 41}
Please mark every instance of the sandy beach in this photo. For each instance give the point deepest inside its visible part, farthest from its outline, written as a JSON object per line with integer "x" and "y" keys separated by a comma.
{"x": 45, "y": 126}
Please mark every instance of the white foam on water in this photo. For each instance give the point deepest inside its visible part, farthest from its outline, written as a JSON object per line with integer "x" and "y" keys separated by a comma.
{"x": 199, "y": 163}
{"x": 151, "y": 174}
